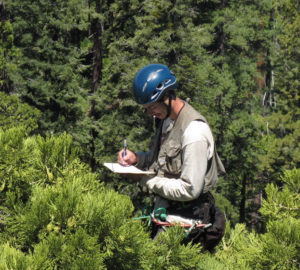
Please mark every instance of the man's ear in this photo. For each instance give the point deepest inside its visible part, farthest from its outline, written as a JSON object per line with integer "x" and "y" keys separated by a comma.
{"x": 168, "y": 96}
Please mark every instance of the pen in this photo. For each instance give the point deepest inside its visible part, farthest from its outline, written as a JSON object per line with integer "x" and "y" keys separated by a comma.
{"x": 125, "y": 147}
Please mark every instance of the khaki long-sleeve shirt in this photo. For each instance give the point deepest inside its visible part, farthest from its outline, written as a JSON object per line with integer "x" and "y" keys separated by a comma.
{"x": 198, "y": 147}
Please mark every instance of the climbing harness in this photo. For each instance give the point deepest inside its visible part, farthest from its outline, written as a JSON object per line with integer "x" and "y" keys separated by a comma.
{"x": 160, "y": 218}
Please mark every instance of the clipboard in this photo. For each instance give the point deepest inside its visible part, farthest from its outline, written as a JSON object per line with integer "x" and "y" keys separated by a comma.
{"x": 118, "y": 168}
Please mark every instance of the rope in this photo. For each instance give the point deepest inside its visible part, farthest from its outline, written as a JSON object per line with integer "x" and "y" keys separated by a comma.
{"x": 145, "y": 215}
{"x": 158, "y": 216}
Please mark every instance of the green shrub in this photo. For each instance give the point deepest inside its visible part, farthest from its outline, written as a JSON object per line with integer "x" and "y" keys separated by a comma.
{"x": 57, "y": 214}
{"x": 14, "y": 113}
{"x": 279, "y": 247}
{"x": 11, "y": 258}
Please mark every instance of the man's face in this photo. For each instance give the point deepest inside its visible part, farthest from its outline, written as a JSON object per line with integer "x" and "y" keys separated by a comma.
{"x": 157, "y": 109}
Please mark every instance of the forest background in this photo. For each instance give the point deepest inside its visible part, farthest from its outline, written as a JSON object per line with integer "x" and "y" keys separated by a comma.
{"x": 66, "y": 70}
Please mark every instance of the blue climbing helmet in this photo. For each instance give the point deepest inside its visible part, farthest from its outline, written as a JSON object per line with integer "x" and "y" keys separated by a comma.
{"x": 152, "y": 82}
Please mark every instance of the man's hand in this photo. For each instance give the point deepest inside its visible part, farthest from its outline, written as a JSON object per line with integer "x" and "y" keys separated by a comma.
{"x": 127, "y": 160}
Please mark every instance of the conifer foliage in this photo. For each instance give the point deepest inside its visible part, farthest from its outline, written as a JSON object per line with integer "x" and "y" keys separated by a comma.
{"x": 56, "y": 214}
{"x": 66, "y": 70}
{"x": 278, "y": 247}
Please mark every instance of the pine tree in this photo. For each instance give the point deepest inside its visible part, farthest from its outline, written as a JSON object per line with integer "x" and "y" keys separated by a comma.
{"x": 9, "y": 54}
{"x": 49, "y": 75}
{"x": 229, "y": 95}
{"x": 281, "y": 98}
{"x": 13, "y": 113}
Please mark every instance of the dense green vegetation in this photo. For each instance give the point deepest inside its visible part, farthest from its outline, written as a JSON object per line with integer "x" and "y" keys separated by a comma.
{"x": 66, "y": 69}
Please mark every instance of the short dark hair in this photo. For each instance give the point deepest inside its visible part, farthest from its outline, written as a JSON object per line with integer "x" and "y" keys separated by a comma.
{"x": 168, "y": 94}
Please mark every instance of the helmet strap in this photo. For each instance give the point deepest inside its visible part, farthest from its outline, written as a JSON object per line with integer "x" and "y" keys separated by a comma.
{"x": 169, "y": 109}
{"x": 171, "y": 96}
{"x": 169, "y": 106}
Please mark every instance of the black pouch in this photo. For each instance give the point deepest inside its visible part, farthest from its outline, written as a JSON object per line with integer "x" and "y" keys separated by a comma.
{"x": 205, "y": 209}
{"x": 213, "y": 234}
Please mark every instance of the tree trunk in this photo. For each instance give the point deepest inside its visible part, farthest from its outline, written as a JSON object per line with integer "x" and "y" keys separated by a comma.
{"x": 243, "y": 200}
{"x": 97, "y": 50}
{"x": 97, "y": 30}
{"x": 5, "y": 86}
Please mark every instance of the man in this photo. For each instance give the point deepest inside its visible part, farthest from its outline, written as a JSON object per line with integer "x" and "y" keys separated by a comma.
{"x": 182, "y": 152}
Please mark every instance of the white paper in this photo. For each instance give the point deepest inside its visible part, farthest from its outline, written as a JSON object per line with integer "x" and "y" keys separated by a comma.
{"x": 117, "y": 168}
